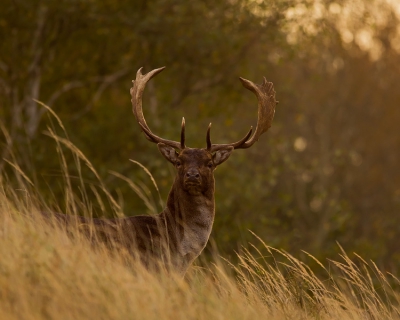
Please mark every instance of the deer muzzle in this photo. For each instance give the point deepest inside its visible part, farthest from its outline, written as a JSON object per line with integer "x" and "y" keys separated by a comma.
{"x": 192, "y": 176}
{"x": 193, "y": 181}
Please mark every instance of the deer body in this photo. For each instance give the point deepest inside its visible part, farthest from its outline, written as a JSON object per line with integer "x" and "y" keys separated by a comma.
{"x": 179, "y": 234}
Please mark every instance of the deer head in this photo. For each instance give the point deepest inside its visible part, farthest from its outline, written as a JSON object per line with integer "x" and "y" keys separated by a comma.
{"x": 195, "y": 166}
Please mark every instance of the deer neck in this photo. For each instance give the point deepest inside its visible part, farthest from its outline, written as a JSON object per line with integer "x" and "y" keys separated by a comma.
{"x": 187, "y": 209}
{"x": 192, "y": 217}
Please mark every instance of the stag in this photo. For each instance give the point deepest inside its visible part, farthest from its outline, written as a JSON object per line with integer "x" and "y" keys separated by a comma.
{"x": 178, "y": 234}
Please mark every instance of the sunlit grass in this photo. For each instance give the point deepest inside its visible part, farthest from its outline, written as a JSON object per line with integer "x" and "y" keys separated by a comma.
{"x": 47, "y": 273}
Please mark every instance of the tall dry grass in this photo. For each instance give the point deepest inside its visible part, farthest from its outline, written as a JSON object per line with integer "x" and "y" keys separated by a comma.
{"x": 46, "y": 273}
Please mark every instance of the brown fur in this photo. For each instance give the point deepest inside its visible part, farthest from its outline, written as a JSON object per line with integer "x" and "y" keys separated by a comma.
{"x": 180, "y": 232}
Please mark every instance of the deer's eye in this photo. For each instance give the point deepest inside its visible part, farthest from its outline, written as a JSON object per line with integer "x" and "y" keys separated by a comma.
{"x": 210, "y": 165}
{"x": 178, "y": 164}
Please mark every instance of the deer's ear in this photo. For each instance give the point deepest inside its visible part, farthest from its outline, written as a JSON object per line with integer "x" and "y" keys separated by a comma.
{"x": 168, "y": 152}
{"x": 222, "y": 155}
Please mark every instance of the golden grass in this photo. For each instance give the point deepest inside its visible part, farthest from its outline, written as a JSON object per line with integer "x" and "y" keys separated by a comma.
{"x": 46, "y": 273}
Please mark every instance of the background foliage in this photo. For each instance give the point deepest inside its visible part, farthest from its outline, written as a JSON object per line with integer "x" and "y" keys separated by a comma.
{"x": 326, "y": 172}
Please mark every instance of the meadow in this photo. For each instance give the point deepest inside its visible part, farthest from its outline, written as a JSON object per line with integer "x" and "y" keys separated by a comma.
{"x": 48, "y": 273}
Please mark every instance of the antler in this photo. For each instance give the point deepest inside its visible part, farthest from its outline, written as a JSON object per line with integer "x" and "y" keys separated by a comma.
{"x": 137, "y": 92}
{"x": 266, "y": 109}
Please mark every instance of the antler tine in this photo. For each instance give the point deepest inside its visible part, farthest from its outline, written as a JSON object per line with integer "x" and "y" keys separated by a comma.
{"x": 265, "y": 93}
{"x": 208, "y": 138}
{"x": 137, "y": 92}
{"x": 183, "y": 134}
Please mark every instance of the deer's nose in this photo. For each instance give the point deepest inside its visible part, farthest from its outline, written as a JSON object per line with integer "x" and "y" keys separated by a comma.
{"x": 192, "y": 173}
